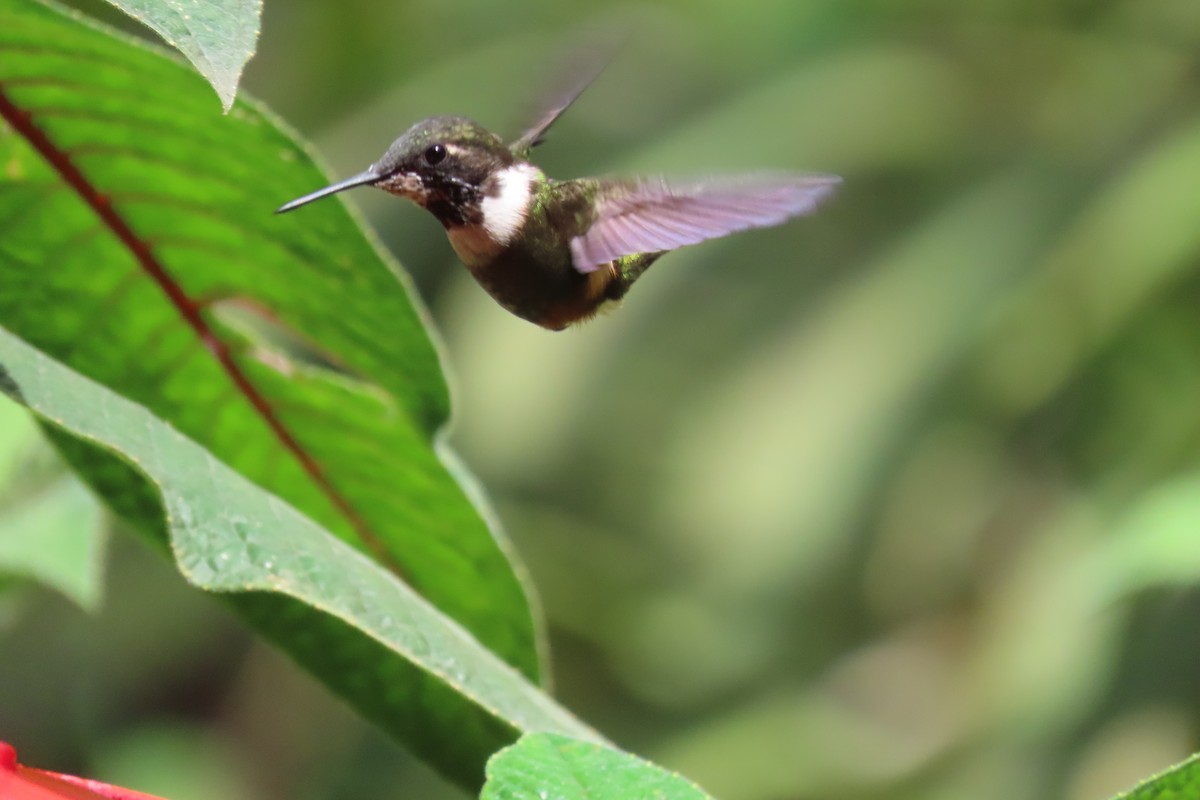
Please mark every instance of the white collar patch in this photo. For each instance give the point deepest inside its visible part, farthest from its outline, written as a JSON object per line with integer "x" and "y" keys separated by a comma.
{"x": 504, "y": 214}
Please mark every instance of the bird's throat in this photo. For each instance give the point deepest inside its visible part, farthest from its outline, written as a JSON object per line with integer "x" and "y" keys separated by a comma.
{"x": 507, "y": 197}
{"x": 473, "y": 245}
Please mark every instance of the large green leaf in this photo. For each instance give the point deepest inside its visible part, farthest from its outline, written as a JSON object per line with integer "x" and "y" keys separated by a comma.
{"x": 554, "y": 767}
{"x": 134, "y": 220}
{"x": 217, "y": 36}
{"x": 367, "y": 635}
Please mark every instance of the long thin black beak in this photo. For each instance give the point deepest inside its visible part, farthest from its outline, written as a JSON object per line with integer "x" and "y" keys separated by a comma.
{"x": 361, "y": 179}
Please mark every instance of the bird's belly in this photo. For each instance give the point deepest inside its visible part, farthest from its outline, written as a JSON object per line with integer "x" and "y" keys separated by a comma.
{"x": 548, "y": 292}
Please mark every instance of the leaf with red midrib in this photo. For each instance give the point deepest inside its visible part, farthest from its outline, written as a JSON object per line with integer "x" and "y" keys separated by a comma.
{"x": 127, "y": 207}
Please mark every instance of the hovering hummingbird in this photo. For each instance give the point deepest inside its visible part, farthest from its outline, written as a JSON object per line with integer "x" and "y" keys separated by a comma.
{"x": 555, "y": 252}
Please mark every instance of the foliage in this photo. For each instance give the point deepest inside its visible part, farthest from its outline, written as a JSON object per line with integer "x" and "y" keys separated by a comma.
{"x": 367, "y": 635}
{"x": 153, "y": 288}
{"x": 883, "y": 504}
{"x": 146, "y": 251}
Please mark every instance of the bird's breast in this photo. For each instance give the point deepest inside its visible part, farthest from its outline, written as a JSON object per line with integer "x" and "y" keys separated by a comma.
{"x": 473, "y": 245}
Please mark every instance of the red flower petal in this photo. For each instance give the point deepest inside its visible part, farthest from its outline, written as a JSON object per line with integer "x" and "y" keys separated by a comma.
{"x": 25, "y": 783}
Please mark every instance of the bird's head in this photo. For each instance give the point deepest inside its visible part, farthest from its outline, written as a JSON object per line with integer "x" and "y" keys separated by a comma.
{"x": 445, "y": 164}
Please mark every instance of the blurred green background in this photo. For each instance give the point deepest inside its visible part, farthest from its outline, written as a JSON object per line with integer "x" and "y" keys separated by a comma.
{"x": 899, "y": 501}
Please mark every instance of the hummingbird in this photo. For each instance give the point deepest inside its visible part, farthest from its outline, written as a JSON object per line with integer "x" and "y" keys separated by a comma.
{"x": 556, "y": 252}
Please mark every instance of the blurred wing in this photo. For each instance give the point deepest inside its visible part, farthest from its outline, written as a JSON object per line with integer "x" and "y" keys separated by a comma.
{"x": 651, "y": 215}
{"x": 581, "y": 75}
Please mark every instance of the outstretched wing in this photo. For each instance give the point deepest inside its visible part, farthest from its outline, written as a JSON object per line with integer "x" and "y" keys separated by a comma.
{"x": 580, "y": 76}
{"x": 651, "y": 215}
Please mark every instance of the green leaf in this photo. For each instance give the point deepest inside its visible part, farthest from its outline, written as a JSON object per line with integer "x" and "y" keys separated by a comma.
{"x": 370, "y": 637}
{"x": 51, "y": 528}
{"x": 139, "y": 248}
{"x": 545, "y": 766}
{"x": 217, "y": 36}
{"x": 1181, "y": 782}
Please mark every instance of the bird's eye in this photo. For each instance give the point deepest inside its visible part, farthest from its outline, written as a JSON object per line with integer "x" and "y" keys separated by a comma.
{"x": 435, "y": 154}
